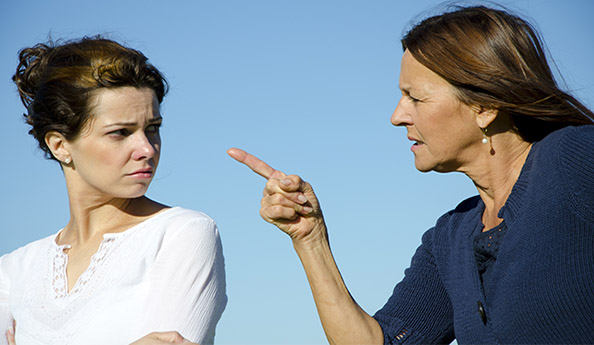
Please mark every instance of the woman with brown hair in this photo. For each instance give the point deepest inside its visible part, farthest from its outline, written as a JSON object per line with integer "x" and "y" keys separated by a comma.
{"x": 125, "y": 268}
{"x": 512, "y": 265}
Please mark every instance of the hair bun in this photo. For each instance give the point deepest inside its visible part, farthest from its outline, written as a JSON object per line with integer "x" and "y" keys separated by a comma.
{"x": 32, "y": 64}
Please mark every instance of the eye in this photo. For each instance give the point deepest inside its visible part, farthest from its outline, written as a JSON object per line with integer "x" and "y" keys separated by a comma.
{"x": 122, "y": 132}
{"x": 154, "y": 128}
{"x": 414, "y": 100}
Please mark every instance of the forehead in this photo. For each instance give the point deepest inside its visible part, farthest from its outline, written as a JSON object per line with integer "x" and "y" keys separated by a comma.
{"x": 124, "y": 104}
{"x": 415, "y": 76}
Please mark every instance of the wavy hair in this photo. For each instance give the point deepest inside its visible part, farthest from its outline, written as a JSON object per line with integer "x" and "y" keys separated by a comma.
{"x": 56, "y": 82}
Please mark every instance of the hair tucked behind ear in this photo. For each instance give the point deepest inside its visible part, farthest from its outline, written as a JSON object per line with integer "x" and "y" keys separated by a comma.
{"x": 496, "y": 60}
{"x": 56, "y": 81}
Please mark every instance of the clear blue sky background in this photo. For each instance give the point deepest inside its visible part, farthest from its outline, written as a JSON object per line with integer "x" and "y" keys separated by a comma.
{"x": 308, "y": 86}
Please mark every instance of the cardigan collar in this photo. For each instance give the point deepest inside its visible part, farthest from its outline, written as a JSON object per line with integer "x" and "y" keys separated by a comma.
{"x": 514, "y": 203}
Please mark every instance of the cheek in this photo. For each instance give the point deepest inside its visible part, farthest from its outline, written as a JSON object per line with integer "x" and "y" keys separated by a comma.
{"x": 110, "y": 156}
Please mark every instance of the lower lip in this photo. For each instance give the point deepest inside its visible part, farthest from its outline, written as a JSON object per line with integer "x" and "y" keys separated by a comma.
{"x": 141, "y": 175}
{"x": 415, "y": 147}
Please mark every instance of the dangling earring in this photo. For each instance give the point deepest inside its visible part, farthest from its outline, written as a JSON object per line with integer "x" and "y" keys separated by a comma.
{"x": 485, "y": 140}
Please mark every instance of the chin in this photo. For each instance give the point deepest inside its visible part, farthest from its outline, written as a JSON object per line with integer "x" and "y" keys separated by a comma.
{"x": 423, "y": 167}
{"x": 440, "y": 167}
{"x": 133, "y": 194}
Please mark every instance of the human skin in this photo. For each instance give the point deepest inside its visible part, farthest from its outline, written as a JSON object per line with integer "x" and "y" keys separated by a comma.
{"x": 447, "y": 137}
{"x": 108, "y": 168}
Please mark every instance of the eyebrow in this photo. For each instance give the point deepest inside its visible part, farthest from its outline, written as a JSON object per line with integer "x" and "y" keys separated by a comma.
{"x": 130, "y": 124}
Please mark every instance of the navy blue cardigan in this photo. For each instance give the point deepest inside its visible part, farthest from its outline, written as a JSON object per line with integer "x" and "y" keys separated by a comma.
{"x": 543, "y": 280}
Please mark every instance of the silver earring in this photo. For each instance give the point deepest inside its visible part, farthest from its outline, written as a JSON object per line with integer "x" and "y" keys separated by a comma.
{"x": 485, "y": 140}
{"x": 67, "y": 161}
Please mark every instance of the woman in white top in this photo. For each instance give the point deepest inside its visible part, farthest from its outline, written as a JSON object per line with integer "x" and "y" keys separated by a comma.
{"x": 125, "y": 268}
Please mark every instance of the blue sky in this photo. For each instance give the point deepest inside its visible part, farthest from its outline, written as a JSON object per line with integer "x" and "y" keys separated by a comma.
{"x": 309, "y": 87}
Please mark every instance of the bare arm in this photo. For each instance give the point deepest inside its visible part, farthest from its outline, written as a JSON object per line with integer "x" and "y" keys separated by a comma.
{"x": 162, "y": 338}
{"x": 290, "y": 204}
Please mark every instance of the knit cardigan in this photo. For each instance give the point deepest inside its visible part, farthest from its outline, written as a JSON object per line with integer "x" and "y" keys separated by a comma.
{"x": 543, "y": 280}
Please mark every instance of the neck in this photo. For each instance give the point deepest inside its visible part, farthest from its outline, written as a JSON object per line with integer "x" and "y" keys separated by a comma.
{"x": 496, "y": 171}
{"x": 92, "y": 216}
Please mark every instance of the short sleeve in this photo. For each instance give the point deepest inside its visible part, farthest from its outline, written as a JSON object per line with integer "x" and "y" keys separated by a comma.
{"x": 188, "y": 281}
{"x": 419, "y": 310}
{"x": 5, "y": 315}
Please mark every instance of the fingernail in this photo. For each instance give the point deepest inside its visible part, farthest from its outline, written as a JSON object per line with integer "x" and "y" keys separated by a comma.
{"x": 286, "y": 181}
{"x": 302, "y": 198}
{"x": 307, "y": 209}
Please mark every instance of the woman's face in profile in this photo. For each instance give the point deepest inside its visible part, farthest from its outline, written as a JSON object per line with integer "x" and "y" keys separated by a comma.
{"x": 444, "y": 130}
{"x": 117, "y": 153}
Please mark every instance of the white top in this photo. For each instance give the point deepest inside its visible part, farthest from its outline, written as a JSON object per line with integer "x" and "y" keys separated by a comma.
{"x": 164, "y": 274}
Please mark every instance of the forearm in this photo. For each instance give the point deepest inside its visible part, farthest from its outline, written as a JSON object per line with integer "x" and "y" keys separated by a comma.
{"x": 343, "y": 320}
{"x": 291, "y": 204}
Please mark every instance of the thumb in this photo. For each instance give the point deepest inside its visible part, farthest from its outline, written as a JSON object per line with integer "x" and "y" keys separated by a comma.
{"x": 10, "y": 337}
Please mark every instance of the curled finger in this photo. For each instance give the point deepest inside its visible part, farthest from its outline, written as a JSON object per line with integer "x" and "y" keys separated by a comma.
{"x": 295, "y": 201}
{"x": 278, "y": 213}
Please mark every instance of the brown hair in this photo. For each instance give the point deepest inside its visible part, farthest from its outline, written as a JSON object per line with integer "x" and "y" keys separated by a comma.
{"x": 496, "y": 60}
{"x": 56, "y": 82}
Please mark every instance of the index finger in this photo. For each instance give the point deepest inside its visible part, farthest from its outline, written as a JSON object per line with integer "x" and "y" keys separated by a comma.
{"x": 252, "y": 162}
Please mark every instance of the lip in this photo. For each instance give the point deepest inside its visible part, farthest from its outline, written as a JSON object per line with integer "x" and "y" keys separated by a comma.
{"x": 142, "y": 173}
{"x": 416, "y": 143}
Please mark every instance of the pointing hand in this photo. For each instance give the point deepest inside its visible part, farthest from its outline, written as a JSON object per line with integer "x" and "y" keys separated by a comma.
{"x": 288, "y": 202}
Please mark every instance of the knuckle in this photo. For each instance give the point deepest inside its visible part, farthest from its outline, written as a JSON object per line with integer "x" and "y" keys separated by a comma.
{"x": 271, "y": 184}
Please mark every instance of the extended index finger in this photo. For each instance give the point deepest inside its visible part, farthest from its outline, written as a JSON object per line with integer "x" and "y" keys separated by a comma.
{"x": 252, "y": 162}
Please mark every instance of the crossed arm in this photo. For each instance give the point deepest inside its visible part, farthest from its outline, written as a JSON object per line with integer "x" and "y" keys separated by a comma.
{"x": 291, "y": 204}
{"x": 155, "y": 338}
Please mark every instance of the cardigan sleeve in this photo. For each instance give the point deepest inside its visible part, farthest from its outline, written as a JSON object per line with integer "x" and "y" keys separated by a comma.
{"x": 419, "y": 310}
{"x": 188, "y": 281}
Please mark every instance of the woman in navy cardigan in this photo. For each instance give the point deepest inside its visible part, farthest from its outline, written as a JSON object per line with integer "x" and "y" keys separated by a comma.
{"x": 513, "y": 265}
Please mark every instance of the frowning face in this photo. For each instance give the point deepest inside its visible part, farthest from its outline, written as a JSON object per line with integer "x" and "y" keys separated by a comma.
{"x": 444, "y": 130}
{"x": 117, "y": 153}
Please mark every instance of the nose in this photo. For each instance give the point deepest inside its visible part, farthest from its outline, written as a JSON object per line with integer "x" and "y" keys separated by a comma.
{"x": 144, "y": 147}
{"x": 401, "y": 116}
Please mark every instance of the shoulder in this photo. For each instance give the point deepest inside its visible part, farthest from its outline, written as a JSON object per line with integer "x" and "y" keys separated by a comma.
{"x": 185, "y": 238}
{"x": 570, "y": 142}
{"x": 574, "y": 155}
{"x": 21, "y": 258}
{"x": 454, "y": 225}
{"x": 583, "y": 132}
{"x": 180, "y": 214}
{"x": 177, "y": 218}
{"x": 464, "y": 213}
{"x": 570, "y": 153}
{"x": 185, "y": 227}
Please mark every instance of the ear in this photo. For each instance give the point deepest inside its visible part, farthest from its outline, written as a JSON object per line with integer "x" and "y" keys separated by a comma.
{"x": 485, "y": 116}
{"x": 58, "y": 145}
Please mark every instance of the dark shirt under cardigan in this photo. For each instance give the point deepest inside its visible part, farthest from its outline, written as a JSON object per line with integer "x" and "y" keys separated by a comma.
{"x": 541, "y": 286}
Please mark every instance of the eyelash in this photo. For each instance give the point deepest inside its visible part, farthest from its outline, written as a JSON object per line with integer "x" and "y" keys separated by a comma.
{"x": 124, "y": 132}
{"x": 120, "y": 132}
{"x": 154, "y": 128}
{"x": 412, "y": 99}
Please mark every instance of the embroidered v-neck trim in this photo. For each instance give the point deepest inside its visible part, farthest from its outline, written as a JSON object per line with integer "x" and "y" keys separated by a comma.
{"x": 107, "y": 245}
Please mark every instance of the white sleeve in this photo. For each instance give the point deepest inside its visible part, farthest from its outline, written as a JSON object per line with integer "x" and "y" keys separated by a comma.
{"x": 5, "y": 315}
{"x": 188, "y": 281}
